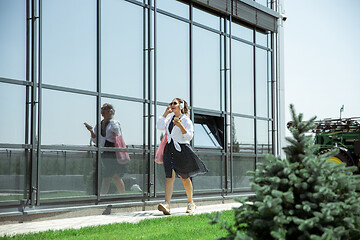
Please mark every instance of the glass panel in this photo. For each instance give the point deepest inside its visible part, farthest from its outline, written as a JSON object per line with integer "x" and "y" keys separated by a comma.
{"x": 206, "y": 18}
{"x": 67, "y": 174}
{"x": 69, "y": 43}
{"x": 122, "y": 48}
{"x": 160, "y": 181}
{"x": 63, "y": 115}
{"x": 241, "y": 31}
{"x": 214, "y": 179}
{"x": 174, "y": 6}
{"x": 269, "y": 40}
{"x": 206, "y": 69}
{"x": 243, "y": 135}
{"x": 241, "y": 165}
{"x": 120, "y": 176}
{"x": 208, "y": 131}
{"x": 130, "y": 116}
{"x": 211, "y": 180}
{"x": 261, "y": 83}
{"x": 262, "y": 2}
{"x": 203, "y": 137}
{"x": 242, "y": 77}
{"x": 261, "y": 38}
{"x": 159, "y": 134}
{"x": 13, "y": 173}
{"x": 269, "y": 86}
{"x": 13, "y": 39}
{"x": 172, "y": 59}
{"x": 263, "y": 136}
{"x": 12, "y": 106}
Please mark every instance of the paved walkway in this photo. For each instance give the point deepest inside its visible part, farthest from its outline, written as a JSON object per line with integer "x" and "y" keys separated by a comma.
{"x": 79, "y": 222}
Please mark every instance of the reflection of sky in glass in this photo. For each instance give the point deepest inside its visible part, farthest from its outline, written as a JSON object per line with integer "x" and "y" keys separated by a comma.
{"x": 69, "y": 59}
{"x": 206, "y": 69}
{"x": 63, "y": 117}
{"x": 262, "y": 2}
{"x": 130, "y": 116}
{"x": 263, "y": 136}
{"x": 262, "y": 132}
{"x": 172, "y": 59}
{"x": 244, "y": 130}
{"x": 12, "y": 39}
{"x": 69, "y": 43}
{"x": 207, "y": 19}
{"x": 174, "y": 7}
{"x": 242, "y": 32}
{"x": 261, "y": 38}
{"x": 261, "y": 83}
{"x": 121, "y": 48}
{"x": 12, "y": 109}
{"x": 242, "y": 78}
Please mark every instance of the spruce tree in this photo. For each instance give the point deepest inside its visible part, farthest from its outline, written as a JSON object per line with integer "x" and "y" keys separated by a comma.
{"x": 303, "y": 196}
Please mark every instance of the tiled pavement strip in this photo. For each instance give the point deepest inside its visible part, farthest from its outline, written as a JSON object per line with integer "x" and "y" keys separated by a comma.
{"x": 79, "y": 222}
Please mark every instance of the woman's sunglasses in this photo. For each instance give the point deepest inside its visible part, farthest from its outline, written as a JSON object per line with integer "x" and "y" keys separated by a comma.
{"x": 173, "y": 103}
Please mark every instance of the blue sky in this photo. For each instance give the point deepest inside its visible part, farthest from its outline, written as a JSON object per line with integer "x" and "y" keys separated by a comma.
{"x": 322, "y": 57}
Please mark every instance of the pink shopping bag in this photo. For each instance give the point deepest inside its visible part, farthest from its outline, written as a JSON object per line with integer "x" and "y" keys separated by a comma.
{"x": 122, "y": 157}
{"x": 160, "y": 151}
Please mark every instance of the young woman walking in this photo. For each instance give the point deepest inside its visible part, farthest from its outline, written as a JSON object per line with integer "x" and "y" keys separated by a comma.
{"x": 179, "y": 158}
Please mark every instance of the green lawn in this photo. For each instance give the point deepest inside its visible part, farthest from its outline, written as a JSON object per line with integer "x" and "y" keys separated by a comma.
{"x": 181, "y": 227}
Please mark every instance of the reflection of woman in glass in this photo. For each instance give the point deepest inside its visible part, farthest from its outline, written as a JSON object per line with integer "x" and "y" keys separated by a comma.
{"x": 179, "y": 158}
{"x": 110, "y": 128}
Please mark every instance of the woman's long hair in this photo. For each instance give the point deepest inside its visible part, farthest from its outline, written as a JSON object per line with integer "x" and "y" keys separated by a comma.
{"x": 185, "y": 110}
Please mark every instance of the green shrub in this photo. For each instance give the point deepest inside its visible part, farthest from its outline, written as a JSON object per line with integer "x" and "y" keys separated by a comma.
{"x": 301, "y": 197}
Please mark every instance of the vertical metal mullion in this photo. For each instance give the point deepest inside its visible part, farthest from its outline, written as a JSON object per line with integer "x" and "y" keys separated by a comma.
{"x": 149, "y": 114}
{"x": 221, "y": 90}
{"x": 220, "y": 64}
{"x": 231, "y": 165}
{"x": 277, "y": 103}
{"x": 39, "y": 88}
{"x": 223, "y": 54}
{"x": 273, "y": 136}
{"x": 191, "y": 76}
{"x": 223, "y": 72}
{"x": 255, "y": 110}
{"x": 98, "y": 100}
{"x": 34, "y": 169}
{"x": 155, "y": 93}
{"x": 144, "y": 97}
{"x": 27, "y": 101}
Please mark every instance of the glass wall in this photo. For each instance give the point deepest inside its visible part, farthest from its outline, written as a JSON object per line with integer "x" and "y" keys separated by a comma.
{"x": 13, "y": 39}
{"x": 121, "y": 58}
{"x": 69, "y": 43}
{"x": 14, "y": 174}
{"x": 242, "y": 78}
{"x": 132, "y": 56}
{"x": 66, "y": 174}
{"x": 173, "y": 68}
{"x": 206, "y": 74}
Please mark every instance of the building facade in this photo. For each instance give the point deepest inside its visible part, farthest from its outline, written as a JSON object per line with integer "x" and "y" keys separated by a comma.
{"x": 61, "y": 60}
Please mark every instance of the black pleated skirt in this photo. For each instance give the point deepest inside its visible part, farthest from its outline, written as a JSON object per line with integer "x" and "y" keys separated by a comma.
{"x": 185, "y": 163}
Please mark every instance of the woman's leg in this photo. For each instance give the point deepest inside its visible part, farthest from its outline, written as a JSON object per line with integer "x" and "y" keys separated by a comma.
{"x": 119, "y": 183}
{"x": 169, "y": 186}
{"x": 188, "y": 189}
{"x": 105, "y": 185}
